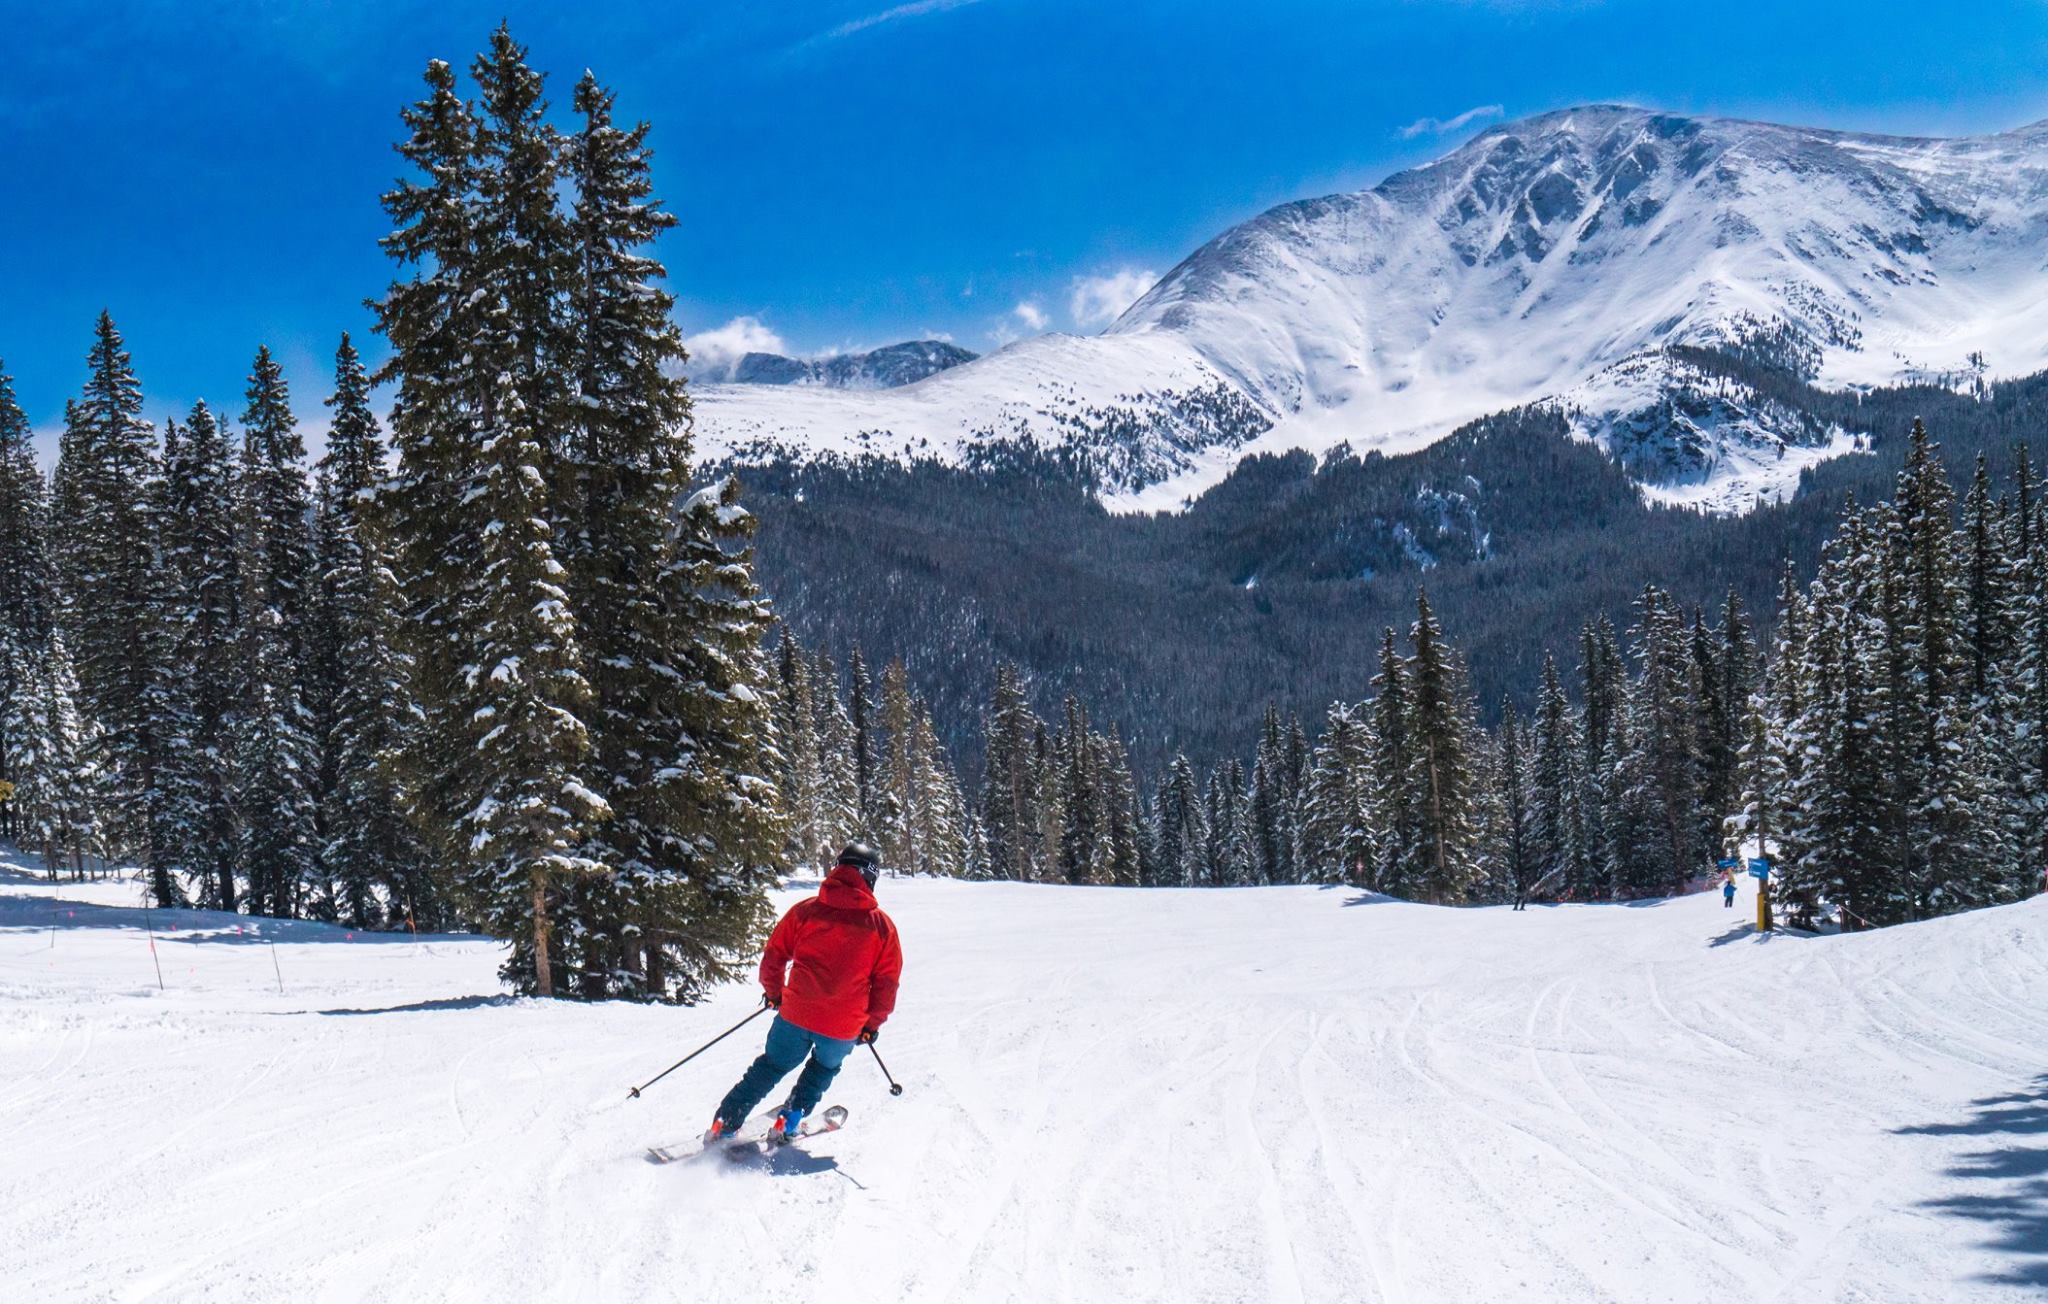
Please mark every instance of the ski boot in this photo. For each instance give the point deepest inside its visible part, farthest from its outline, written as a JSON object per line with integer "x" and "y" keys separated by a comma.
{"x": 787, "y": 1127}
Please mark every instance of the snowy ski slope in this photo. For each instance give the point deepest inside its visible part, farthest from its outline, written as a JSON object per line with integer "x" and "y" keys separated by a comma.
{"x": 1259, "y": 1094}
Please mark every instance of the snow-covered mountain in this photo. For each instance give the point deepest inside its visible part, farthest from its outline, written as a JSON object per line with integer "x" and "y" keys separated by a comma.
{"x": 1553, "y": 259}
{"x": 883, "y": 368}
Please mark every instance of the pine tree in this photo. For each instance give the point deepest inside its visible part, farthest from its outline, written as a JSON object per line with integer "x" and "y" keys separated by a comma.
{"x": 796, "y": 740}
{"x": 1180, "y": 835}
{"x": 369, "y": 842}
{"x": 838, "y": 796}
{"x": 1439, "y": 774}
{"x": 277, "y": 507}
{"x": 1658, "y": 775}
{"x": 1230, "y": 858}
{"x": 104, "y": 526}
{"x": 1557, "y": 833}
{"x": 1338, "y": 840}
{"x": 1008, "y": 791}
{"x": 1395, "y": 868}
{"x": 529, "y": 802}
{"x": 1517, "y": 866}
{"x": 25, "y": 578}
{"x": 52, "y": 748}
{"x": 1125, "y": 819}
{"x": 275, "y": 767}
{"x": 1604, "y": 738}
{"x": 1270, "y": 805}
{"x": 202, "y": 676}
{"x": 867, "y": 751}
{"x": 433, "y": 510}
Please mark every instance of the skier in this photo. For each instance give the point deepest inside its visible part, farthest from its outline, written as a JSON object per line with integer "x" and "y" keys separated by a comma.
{"x": 830, "y": 974}
{"x": 1727, "y": 889}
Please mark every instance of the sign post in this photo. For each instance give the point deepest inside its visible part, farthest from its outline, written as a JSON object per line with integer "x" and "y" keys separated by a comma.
{"x": 1760, "y": 870}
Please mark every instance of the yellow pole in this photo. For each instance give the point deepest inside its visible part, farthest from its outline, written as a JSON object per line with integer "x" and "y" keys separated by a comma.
{"x": 1763, "y": 905}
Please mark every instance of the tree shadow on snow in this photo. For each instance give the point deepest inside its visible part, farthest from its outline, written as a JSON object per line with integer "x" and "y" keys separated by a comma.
{"x": 445, "y": 1003}
{"x": 2010, "y": 1177}
{"x": 40, "y": 914}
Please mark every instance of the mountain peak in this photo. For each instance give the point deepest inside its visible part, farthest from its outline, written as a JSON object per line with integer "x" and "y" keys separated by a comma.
{"x": 1552, "y": 258}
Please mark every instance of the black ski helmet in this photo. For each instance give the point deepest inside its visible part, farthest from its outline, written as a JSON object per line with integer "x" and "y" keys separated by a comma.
{"x": 863, "y": 858}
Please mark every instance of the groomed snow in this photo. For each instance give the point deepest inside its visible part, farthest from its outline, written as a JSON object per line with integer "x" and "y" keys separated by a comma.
{"x": 1259, "y": 1094}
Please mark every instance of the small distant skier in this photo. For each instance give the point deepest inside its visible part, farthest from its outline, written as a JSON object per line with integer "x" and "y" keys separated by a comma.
{"x": 1727, "y": 889}
{"x": 830, "y": 974}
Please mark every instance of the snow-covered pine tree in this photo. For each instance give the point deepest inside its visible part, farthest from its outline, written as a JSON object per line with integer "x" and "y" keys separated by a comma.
{"x": 1604, "y": 737}
{"x": 1835, "y": 844}
{"x": 169, "y": 702}
{"x": 275, "y": 543}
{"x": 1767, "y": 763}
{"x": 1440, "y": 780}
{"x": 433, "y": 509}
{"x": 941, "y": 810}
{"x": 715, "y": 811}
{"x": 1942, "y": 780}
{"x": 1008, "y": 791}
{"x": 660, "y": 605}
{"x": 1126, "y": 822}
{"x": 524, "y": 774}
{"x": 867, "y": 752}
{"x": 1987, "y": 599}
{"x": 1394, "y": 817}
{"x": 105, "y": 532}
{"x": 25, "y": 578}
{"x": 1338, "y": 841}
{"x": 202, "y": 672}
{"x": 2028, "y": 708}
{"x": 838, "y": 797}
{"x": 277, "y": 507}
{"x": 375, "y": 856}
{"x": 796, "y": 742}
{"x": 52, "y": 749}
{"x": 1179, "y": 835}
{"x": 1294, "y": 767}
{"x": 897, "y": 793}
{"x": 1049, "y": 804}
{"x": 1082, "y": 851}
{"x": 1270, "y": 813}
{"x": 275, "y": 764}
{"x": 1659, "y": 788}
{"x": 1516, "y": 865}
{"x": 1557, "y": 834}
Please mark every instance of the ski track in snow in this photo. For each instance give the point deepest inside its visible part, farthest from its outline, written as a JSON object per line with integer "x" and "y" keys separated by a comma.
{"x": 1288, "y": 1094}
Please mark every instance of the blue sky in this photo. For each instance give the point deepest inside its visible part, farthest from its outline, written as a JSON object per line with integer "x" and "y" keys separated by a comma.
{"x": 848, "y": 173}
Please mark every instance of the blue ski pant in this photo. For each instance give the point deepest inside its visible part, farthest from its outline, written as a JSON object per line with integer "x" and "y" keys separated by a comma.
{"x": 787, "y": 1047}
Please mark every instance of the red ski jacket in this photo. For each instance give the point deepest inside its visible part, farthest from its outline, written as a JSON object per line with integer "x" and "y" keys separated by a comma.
{"x": 841, "y": 958}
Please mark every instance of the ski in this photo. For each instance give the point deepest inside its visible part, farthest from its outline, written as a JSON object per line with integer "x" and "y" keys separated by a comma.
{"x": 831, "y": 1120}
{"x": 738, "y": 1147}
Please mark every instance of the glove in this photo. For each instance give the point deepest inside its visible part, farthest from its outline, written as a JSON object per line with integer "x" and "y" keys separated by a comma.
{"x": 773, "y": 1002}
{"x": 868, "y": 1035}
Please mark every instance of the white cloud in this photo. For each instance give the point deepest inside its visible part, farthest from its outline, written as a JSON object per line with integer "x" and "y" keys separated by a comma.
{"x": 1096, "y": 301}
{"x": 915, "y": 9}
{"x": 1031, "y": 315}
{"x": 714, "y": 353}
{"x": 1438, "y": 126}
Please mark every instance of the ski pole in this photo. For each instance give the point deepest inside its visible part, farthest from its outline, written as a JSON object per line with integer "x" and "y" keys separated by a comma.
{"x": 895, "y": 1087}
{"x": 634, "y": 1094}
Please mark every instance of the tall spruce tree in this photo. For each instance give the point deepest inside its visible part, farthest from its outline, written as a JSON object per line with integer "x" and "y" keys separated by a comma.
{"x": 203, "y": 675}
{"x": 377, "y": 859}
{"x": 1440, "y": 763}
{"x": 104, "y": 526}
{"x": 25, "y": 579}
